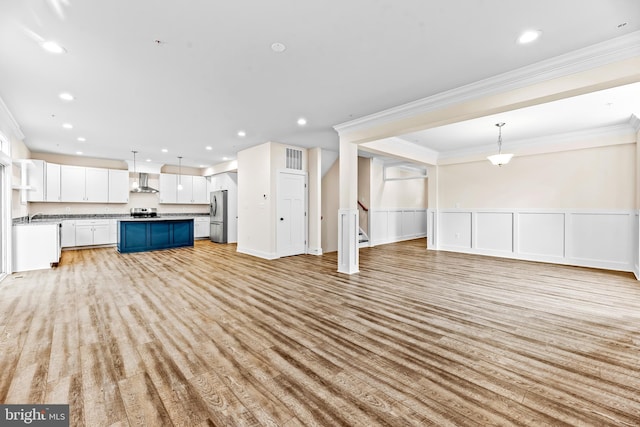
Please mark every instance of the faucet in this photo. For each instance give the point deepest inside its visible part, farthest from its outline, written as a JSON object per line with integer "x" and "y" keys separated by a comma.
{"x": 34, "y": 215}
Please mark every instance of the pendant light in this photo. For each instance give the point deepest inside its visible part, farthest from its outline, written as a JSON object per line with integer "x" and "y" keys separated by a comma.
{"x": 134, "y": 184}
{"x": 500, "y": 158}
{"x": 180, "y": 173}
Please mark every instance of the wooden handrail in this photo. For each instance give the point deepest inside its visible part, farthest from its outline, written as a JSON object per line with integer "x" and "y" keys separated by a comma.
{"x": 363, "y": 206}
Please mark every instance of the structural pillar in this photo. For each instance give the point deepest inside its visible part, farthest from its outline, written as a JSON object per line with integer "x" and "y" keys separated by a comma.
{"x": 348, "y": 209}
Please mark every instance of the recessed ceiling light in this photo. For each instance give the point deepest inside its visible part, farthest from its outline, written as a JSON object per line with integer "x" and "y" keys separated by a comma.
{"x": 302, "y": 121}
{"x": 66, "y": 96}
{"x": 79, "y": 153}
{"x": 148, "y": 160}
{"x": 53, "y": 47}
{"x": 242, "y": 133}
{"x": 208, "y": 147}
{"x": 201, "y": 166}
{"x": 67, "y": 125}
{"x": 278, "y": 47}
{"x": 164, "y": 150}
{"x": 82, "y": 139}
{"x": 225, "y": 158}
{"x": 529, "y": 36}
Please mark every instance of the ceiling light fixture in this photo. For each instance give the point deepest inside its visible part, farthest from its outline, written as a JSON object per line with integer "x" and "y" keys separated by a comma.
{"x": 164, "y": 150}
{"x": 225, "y": 158}
{"x": 67, "y": 125}
{"x": 66, "y": 96}
{"x": 82, "y": 139}
{"x": 208, "y": 147}
{"x": 79, "y": 153}
{"x": 180, "y": 173}
{"x": 500, "y": 159}
{"x": 242, "y": 133}
{"x": 529, "y": 36}
{"x": 302, "y": 121}
{"x": 52, "y": 47}
{"x": 148, "y": 160}
{"x": 134, "y": 184}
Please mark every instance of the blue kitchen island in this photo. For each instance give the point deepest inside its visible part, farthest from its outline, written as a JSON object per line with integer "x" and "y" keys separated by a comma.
{"x": 150, "y": 234}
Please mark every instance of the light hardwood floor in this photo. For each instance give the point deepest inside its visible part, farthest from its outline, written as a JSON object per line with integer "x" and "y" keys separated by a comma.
{"x": 205, "y": 336}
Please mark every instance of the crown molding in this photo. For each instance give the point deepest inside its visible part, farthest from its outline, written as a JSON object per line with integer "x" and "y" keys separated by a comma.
{"x": 577, "y": 140}
{"x": 607, "y": 52}
{"x": 634, "y": 122}
{"x": 6, "y": 119}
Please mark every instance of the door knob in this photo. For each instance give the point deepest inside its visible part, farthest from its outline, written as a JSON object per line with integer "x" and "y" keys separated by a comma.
{"x": 281, "y": 219}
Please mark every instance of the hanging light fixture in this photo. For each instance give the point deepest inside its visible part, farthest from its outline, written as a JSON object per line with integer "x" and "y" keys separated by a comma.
{"x": 180, "y": 173}
{"x": 134, "y": 184}
{"x": 500, "y": 158}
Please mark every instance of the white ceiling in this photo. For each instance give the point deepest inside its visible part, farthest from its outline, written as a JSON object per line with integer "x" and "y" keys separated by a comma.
{"x": 213, "y": 72}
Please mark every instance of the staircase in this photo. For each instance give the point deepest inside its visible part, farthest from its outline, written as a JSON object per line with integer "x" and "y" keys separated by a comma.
{"x": 363, "y": 239}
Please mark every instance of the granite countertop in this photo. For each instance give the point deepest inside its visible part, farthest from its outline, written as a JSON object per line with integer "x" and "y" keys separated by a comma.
{"x": 56, "y": 219}
{"x": 157, "y": 218}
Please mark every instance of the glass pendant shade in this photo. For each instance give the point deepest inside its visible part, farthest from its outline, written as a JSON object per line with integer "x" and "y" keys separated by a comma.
{"x": 500, "y": 159}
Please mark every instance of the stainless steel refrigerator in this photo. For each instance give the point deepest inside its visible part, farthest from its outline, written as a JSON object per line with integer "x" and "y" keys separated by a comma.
{"x": 218, "y": 212}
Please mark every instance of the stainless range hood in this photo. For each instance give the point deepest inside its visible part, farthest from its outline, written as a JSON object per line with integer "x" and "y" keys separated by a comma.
{"x": 143, "y": 184}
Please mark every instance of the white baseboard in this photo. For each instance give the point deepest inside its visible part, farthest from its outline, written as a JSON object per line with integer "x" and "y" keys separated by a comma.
{"x": 255, "y": 253}
{"x": 314, "y": 251}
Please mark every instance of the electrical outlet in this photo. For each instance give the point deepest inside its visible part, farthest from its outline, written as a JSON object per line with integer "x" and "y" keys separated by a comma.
{"x": 67, "y": 209}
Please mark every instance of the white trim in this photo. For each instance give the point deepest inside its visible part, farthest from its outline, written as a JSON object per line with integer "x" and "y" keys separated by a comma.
{"x": 348, "y": 250}
{"x": 634, "y": 122}
{"x": 10, "y": 121}
{"x": 314, "y": 251}
{"x": 567, "y": 141}
{"x": 6, "y": 220}
{"x": 607, "y": 52}
{"x": 305, "y": 174}
{"x": 562, "y": 243}
{"x": 255, "y": 253}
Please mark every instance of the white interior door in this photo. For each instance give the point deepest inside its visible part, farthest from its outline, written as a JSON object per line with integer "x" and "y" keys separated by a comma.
{"x": 291, "y": 214}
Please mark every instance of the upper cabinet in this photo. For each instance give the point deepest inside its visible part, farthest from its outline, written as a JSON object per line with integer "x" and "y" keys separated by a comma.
{"x": 194, "y": 189}
{"x": 80, "y": 184}
{"x": 118, "y": 186}
{"x": 64, "y": 183}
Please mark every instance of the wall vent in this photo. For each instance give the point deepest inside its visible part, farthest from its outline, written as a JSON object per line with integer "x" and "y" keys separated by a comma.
{"x": 294, "y": 159}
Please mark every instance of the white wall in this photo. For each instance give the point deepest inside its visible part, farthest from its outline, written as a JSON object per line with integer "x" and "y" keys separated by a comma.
{"x": 573, "y": 207}
{"x": 410, "y": 193}
{"x": 330, "y": 202}
{"x": 315, "y": 201}
{"x": 594, "y": 178}
{"x": 257, "y": 191}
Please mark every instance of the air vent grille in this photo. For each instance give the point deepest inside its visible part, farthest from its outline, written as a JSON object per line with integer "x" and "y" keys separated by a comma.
{"x": 294, "y": 159}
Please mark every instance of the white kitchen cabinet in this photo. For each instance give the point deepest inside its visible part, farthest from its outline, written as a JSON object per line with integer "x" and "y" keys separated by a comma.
{"x": 201, "y": 227}
{"x": 96, "y": 185}
{"x": 36, "y": 180}
{"x": 185, "y": 196}
{"x": 80, "y": 184}
{"x": 92, "y": 232}
{"x": 113, "y": 231}
{"x": 35, "y": 246}
{"x": 194, "y": 189}
{"x": 199, "y": 189}
{"x": 118, "y": 186}
{"x": 52, "y": 183}
{"x": 68, "y": 233}
{"x": 168, "y": 191}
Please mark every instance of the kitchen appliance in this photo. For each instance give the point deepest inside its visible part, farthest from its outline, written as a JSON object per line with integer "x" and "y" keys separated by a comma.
{"x": 144, "y": 212}
{"x": 218, "y": 216}
{"x": 143, "y": 184}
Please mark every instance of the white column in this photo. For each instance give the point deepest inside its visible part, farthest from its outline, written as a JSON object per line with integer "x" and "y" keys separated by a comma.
{"x": 348, "y": 212}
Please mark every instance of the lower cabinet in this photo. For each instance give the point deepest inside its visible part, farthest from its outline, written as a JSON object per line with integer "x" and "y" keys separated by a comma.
{"x": 35, "y": 246}
{"x": 139, "y": 236}
{"x": 201, "y": 227}
{"x": 88, "y": 233}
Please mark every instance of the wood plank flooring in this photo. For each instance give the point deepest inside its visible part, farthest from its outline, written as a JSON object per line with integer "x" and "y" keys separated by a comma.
{"x": 206, "y": 336}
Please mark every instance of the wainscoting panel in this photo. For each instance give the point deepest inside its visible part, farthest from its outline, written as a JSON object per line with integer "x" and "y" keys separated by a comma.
{"x": 600, "y": 239}
{"x": 541, "y": 234}
{"x": 455, "y": 229}
{"x": 495, "y": 231}
{"x": 394, "y": 225}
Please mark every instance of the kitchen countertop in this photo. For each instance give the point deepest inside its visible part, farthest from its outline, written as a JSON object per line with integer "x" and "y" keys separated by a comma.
{"x": 157, "y": 218}
{"x": 57, "y": 219}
